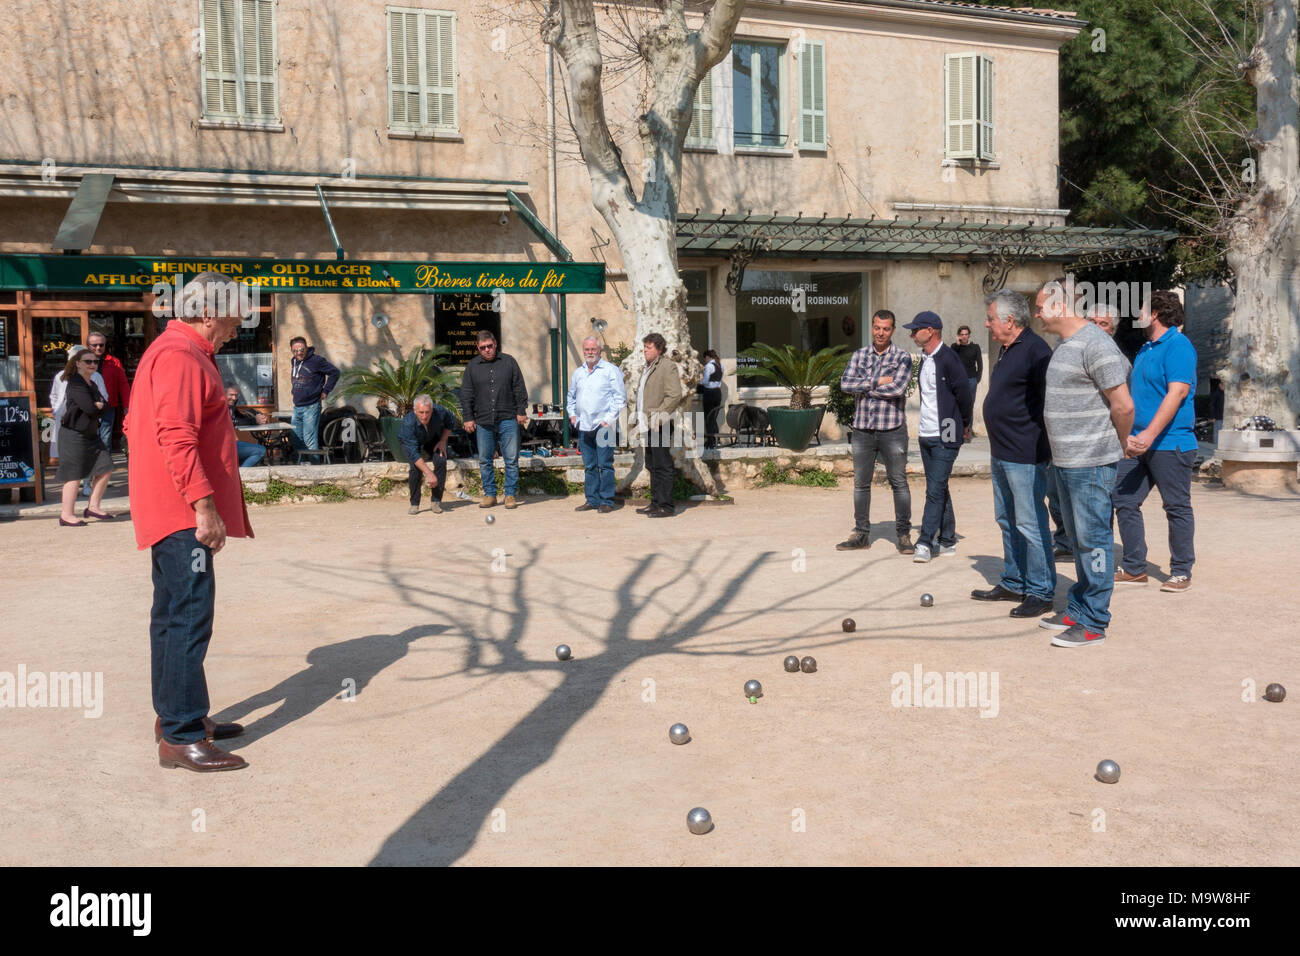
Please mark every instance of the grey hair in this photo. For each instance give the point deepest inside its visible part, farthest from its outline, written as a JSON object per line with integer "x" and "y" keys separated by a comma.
{"x": 591, "y": 338}
{"x": 422, "y": 400}
{"x": 1103, "y": 308}
{"x": 211, "y": 291}
{"x": 1009, "y": 303}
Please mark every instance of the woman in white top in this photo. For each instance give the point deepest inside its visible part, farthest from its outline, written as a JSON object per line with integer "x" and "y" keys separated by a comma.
{"x": 710, "y": 389}
{"x": 57, "y": 392}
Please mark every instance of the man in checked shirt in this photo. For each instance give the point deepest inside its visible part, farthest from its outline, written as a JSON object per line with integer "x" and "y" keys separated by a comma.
{"x": 878, "y": 377}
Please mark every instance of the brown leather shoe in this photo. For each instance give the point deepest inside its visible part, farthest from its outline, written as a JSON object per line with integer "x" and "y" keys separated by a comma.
{"x": 214, "y": 731}
{"x": 605, "y": 509}
{"x": 510, "y": 502}
{"x": 487, "y": 501}
{"x": 1123, "y": 577}
{"x": 202, "y": 757}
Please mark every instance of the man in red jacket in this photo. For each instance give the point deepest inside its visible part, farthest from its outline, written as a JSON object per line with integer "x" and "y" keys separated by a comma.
{"x": 186, "y": 499}
{"x": 119, "y": 391}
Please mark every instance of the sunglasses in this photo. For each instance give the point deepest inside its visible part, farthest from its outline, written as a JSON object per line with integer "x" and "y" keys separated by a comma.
{"x": 89, "y": 361}
{"x": 486, "y": 348}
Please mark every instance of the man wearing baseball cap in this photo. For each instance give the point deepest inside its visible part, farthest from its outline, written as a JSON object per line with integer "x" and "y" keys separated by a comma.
{"x": 947, "y": 407}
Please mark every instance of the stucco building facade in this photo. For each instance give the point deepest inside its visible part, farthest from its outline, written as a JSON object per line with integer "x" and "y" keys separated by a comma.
{"x": 219, "y": 120}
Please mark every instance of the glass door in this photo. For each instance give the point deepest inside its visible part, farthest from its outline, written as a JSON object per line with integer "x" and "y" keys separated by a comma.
{"x": 52, "y": 336}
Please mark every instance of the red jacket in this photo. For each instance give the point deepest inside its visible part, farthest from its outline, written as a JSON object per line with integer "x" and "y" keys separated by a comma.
{"x": 119, "y": 392}
{"x": 181, "y": 440}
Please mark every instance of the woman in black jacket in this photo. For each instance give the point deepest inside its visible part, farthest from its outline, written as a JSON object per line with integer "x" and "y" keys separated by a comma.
{"x": 81, "y": 453}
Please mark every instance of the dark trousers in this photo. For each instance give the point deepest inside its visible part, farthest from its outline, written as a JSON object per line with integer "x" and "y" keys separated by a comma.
{"x": 938, "y": 523}
{"x": 890, "y": 445}
{"x": 180, "y": 626}
{"x": 415, "y": 479}
{"x": 712, "y": 399}
{"x": 1171, "y": 472}
{"x": 659, "y": 461}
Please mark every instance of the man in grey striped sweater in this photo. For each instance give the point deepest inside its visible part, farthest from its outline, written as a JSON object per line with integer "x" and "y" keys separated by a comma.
{"x": 1088, "y": 413}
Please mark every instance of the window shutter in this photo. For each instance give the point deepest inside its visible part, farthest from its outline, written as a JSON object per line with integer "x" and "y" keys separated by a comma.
{"x": 258, "y": 29}
{"x": 986, "y": 108}
{"x": 220, "y": 76}
{"x": 403, "y": 69}
{"x": 812, "y": 95}
{"x": 440, "y": 69}
{"x": 959, "y": 100}
{"x": 701, "y": 131}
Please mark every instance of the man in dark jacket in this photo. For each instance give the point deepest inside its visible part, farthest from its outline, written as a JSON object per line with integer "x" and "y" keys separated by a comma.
{"x": 1019, "y": 453}
{"x": 972, "y": 359}
{"x": 947, "y": 404}
{"x": 313, "y": 379}
{"x": 495, "y": 403}
{"x": 423, "y": 435}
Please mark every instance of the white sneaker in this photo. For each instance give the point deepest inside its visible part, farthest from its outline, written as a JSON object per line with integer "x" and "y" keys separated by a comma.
{"x": 922, "y": 555}
{"x": 947, "y": 549}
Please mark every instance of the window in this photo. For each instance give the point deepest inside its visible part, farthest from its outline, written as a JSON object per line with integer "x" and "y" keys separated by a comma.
{"x": 833, "y": 310}
{"x": 421, "y": 70}
{"x": 968, "y": 96}
{"x": 758, "y": 88}
{"x": 700, "y": 135}
{"x": 239, "y": 61}
{"x": 697, "y": 307}
{"x": 812, "y": 95}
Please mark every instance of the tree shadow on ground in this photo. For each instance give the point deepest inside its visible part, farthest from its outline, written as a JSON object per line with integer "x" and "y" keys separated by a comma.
{"x": 688, "y": 586}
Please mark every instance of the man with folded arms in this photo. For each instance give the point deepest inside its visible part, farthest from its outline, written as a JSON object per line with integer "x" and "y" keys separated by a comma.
{"x": 186, "y": 499}
{"x": 1013, "y": 415}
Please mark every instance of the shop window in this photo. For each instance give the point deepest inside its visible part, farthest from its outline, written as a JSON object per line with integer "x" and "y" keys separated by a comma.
{"x": 249, "y": 360}
{"x": 809, "y": 310}
{"x": 697, "y": 307}
{"x": 239, "y": 61}
{"x": 758, "y": 92}
{"x": 422, "y": 71}
{"x": 10, "y": 360}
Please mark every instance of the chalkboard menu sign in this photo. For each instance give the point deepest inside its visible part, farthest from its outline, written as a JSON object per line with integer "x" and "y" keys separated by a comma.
{"x": 20, "y": 447}
{"x": 457, "y": 320}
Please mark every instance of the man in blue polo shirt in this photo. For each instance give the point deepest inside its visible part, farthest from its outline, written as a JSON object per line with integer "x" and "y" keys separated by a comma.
{"x": 1161, "y": 451}
{"x": 1019, "y": 450}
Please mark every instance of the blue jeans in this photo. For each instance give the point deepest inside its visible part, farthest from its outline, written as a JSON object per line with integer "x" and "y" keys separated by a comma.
{"x": 1018, "y": 506}
{"x": 1085, "y": 506}
{"x": 306, "y": 422}
{"x": 938, "y": 524}
{"x": 505, "y": 435}
{"x": 180, "y": 626}
{"x": 1060, "y": 539}
{"x": 250, "y": 453}
{"x": 598, "y": 459}
{"x": 1171, "y": 472}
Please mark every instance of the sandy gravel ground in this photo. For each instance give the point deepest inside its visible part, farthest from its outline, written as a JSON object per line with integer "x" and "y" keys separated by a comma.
{"x": 468, "y": 742}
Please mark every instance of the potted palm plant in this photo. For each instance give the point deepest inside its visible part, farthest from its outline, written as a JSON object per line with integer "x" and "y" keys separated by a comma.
{"x": 801, "y": 371}
{"x": 395, "y": 387}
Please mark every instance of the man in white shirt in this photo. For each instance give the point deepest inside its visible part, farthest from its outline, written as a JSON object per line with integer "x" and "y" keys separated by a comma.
{"x": 596, "y": 396}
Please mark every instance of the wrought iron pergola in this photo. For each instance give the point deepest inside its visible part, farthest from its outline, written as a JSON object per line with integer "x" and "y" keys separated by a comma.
{"x": 742, "y": 238}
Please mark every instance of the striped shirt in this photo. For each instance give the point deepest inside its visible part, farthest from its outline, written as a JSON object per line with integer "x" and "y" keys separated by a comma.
{"x": 1074, "y": 411}
{"x": 878, "y": 407}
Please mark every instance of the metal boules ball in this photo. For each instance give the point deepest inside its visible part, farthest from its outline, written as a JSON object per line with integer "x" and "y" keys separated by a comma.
{"x": 792, "y": 664}
{"x": 563, "y": 652}
{"x": 753, "y": 688}
{"x": 678, "y": 734}
{"x": 1275, "y": 692}
{"x": 490, "y": 519}
{"x": 808, "y": 665}
{"x": 699, "y": 821}
{"x": 849, "y": 625}
{"x": 927, "y": 600}
{"x": 1108, "y": 771}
